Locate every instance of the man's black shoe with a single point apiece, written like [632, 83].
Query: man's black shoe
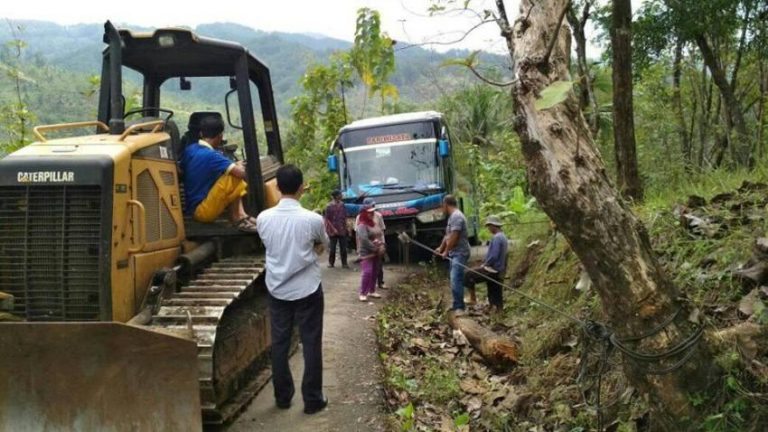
[316, 408]
[284, 405]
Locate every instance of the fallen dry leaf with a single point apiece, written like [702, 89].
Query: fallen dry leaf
[494, 396]
[747, 303]
[471, 386]
[459, 338]
[474, 404]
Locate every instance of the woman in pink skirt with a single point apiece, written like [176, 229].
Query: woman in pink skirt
[370, 248]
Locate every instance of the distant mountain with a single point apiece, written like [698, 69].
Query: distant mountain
[77, 49]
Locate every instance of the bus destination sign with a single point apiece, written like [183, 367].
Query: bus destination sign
[390, 138]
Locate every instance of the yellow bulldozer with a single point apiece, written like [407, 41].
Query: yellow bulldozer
[118, 312]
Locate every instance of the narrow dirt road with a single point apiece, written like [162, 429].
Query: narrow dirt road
[351, 366]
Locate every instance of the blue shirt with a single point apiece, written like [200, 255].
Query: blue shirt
[201, 167]
[290, 233]
[496, 257]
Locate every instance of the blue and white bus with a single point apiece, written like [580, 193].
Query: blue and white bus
[405, 163]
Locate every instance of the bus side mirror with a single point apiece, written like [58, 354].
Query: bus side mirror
[333, 163]
[443, 148]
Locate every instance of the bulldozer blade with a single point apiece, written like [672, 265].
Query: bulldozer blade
[96, 376]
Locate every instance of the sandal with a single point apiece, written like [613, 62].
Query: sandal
[245, 225]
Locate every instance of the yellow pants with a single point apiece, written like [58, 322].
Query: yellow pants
[224, 192]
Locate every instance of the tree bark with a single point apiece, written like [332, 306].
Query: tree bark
[572, 187]
[499, 352]
[733, 115]
[628, 175]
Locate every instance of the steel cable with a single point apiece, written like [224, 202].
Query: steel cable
[594, 330]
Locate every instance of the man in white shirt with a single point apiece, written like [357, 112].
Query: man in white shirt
[294, 237]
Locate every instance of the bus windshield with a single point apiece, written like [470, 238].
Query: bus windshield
[396, 166]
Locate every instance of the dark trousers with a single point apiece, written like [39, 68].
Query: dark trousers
[494, 286]
[342, 242]
[380, 272]
[307, 313]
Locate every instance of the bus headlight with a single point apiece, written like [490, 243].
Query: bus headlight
[430, 216]
[166, 41]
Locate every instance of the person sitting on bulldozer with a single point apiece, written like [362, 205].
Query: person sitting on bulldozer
[212, 182]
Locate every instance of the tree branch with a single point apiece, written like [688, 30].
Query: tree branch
[553, 41]
[464, 36]
[505, 27]
[490, 81]
[585, 12]
[742, 42]
[443, 13]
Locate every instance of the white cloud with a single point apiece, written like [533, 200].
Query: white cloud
[405, 20]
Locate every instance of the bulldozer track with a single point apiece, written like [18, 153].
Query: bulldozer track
[197, 310]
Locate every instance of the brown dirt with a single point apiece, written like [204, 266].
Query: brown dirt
[351, 367]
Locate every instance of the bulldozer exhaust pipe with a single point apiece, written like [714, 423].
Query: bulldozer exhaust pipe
[113, 39]
[188, 262]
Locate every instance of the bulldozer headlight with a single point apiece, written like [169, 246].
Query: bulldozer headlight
[429, 216]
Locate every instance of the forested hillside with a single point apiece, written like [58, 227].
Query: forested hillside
[60, 59]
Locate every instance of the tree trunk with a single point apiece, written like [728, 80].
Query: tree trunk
[587, 97]
[500, 353]
[628, 175]
[722, 140]
[677, 102]
[706, 109]
[733, 115]
[761, 111]
[572, 187]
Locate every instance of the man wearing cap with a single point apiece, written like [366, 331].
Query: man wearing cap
[379, 220]
[494, 266]
[336, 227]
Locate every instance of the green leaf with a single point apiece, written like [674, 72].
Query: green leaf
[406, 412]
[408, 425]
[553, 94]
[468, 61]
[461, 420]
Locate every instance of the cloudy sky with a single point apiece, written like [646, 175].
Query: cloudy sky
[405, 20]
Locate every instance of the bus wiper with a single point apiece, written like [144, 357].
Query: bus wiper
[410, 188]
[393, 186]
